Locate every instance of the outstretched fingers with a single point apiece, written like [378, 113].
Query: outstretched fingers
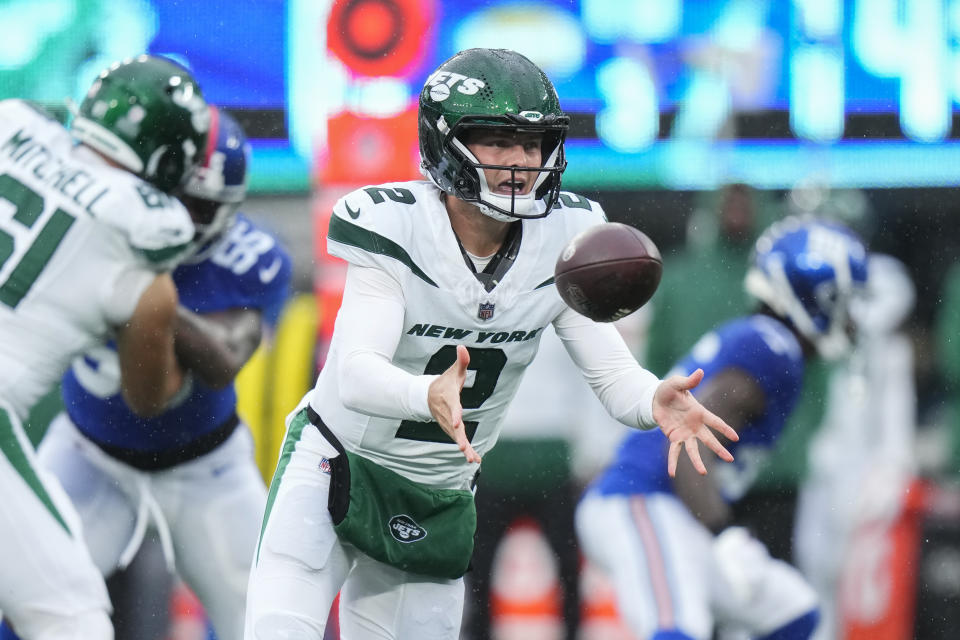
[719, 425]
[459, 429]
[673, 457]
[692, 380]
[460, 437]
[443, 397]
[711, 441]
[693, 452]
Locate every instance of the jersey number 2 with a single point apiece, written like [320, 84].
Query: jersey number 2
[486, 363]
[29, 206]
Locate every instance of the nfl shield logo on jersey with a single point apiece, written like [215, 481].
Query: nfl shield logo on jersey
[486, 310]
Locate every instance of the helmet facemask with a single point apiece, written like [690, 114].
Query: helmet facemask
[210, 218]
[215, 190]
[470, 183]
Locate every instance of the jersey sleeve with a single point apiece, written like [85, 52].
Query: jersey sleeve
[12, 111]
[367, 349]
[8, 108]
[156, 225]
[121, 293]
[572, 216]
[624, 388]
[580, 210]
[368, 229]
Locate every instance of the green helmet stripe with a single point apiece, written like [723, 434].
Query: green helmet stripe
[107, 143]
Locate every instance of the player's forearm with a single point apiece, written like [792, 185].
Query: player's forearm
[148, 395]
[370, 384]
[627, 395]
[216, 346]
[624, 387]
[150, 374]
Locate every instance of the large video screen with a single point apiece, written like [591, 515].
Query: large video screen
[689, 94]
[52, 50]
[681, 94]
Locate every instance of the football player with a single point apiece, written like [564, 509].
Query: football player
[678, 562]
[189, 471]
[845, 504]
[86, 233]
[449, 285]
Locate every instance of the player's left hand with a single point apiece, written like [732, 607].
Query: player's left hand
[684, 421]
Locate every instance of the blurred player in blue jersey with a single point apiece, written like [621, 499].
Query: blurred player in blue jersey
[189, 472]
[642, 527]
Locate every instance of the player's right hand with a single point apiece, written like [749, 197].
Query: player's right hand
[444, 400]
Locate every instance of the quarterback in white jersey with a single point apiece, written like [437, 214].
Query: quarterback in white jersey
[500, 328]
[449, 286]
[83, 242]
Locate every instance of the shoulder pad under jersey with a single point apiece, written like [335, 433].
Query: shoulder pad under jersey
[155, 224]
[377, 225]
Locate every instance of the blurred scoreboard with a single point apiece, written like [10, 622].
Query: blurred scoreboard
[682, 94]
[671, 93]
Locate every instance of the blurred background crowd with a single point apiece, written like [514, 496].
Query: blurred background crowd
[700, 122]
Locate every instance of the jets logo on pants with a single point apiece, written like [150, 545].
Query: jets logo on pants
[404, 529]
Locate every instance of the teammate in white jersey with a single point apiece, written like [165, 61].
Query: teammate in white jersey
[85, 233]
[449, 286]
[189, 471]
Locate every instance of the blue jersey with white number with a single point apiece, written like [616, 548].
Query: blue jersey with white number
[758, 345]
[246, 269]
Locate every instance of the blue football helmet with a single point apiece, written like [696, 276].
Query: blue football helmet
[809, 270]
[214, 190]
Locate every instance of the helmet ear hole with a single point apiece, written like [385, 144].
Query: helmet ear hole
[169, 169]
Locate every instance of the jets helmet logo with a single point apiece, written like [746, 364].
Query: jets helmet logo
[184, 95]
[442, 83]
[404, 529]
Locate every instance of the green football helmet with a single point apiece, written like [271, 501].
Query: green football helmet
[491, 88]
[148, 115]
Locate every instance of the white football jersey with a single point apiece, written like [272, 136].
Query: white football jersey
[79, 242]
[403, 229]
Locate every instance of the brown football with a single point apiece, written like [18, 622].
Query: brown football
[608, 271]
